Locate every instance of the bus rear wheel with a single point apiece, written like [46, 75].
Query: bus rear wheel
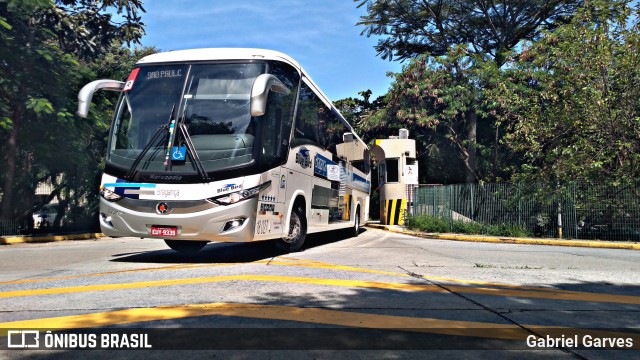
[185, 246]
[355, 231]
[297, 232]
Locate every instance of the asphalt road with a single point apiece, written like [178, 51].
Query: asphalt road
[380, 295]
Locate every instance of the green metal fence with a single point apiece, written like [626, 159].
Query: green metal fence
[11, 226]
[585, 211]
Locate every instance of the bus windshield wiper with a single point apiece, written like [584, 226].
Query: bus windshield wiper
[173, 129]
[191, 149]
[132, 171]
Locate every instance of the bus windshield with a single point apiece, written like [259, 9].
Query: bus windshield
[211, 100]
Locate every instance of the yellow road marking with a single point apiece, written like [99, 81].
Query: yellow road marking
[300, 263]
[116, 272]
[216, 279]
[551, 295]
[306, 315]
[271, 312]
[321, 265]
[159, 268]
[287, 262]
[519, 291]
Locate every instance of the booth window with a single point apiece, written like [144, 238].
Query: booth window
[392, 171]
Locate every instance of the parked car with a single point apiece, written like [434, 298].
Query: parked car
[45, 216]
[626, 233]
[606, 232]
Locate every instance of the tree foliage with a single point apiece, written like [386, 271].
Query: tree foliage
[44, 46]
[570, 103]
[492, 28]
[434, 98]
[455, 47]
[357, 112]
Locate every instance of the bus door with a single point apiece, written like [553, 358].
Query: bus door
[271, 206]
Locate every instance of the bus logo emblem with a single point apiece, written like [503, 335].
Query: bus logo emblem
[162, 208]
[229, 187]
[303, 158]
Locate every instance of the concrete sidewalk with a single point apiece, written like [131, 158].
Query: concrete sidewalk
[509, 240]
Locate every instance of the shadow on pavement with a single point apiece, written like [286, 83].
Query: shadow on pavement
[228, 252]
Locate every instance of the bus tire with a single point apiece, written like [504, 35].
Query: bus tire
[185, 246]
[297, 232]
[355, 230]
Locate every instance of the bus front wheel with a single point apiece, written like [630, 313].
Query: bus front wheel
[297, 232]
[185, 246]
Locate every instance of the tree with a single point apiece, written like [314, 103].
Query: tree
[357, 111]
[491, 28]
[41, 45]
[484, 30]
[571, 104]
[427, 98]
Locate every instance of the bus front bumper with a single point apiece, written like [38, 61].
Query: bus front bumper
[231, 223]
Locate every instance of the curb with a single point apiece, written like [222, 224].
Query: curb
[509, 240]
[8, 240]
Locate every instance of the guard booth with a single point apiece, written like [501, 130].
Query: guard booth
[397, 176]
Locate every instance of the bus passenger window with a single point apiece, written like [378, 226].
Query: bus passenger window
[274, 128]
[308, 119]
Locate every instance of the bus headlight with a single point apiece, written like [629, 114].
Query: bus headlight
[240, 195]
[109, 195]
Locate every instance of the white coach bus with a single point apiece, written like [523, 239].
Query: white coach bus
[228, 145]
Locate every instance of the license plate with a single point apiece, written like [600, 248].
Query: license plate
[164, 231]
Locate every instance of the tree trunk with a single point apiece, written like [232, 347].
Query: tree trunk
[471, 124]
[12, 150]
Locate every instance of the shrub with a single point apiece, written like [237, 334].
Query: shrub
[440, 225]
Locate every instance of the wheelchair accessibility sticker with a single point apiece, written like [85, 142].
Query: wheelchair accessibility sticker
[179, 153]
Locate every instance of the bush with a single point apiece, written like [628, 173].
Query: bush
[440, 225]
[427, 223]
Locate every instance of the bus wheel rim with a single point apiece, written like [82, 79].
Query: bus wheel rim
[294, 228]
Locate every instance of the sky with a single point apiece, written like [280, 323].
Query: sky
[320, 35]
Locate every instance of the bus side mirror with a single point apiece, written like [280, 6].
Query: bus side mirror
[260, 92]
[86, 94]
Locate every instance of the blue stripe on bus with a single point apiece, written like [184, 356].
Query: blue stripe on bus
[360, 182]
[358, 178]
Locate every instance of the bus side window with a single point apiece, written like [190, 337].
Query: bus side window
[307, 119]
[125, 133]
[361, 161]
[336, 130]
[274, 128]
